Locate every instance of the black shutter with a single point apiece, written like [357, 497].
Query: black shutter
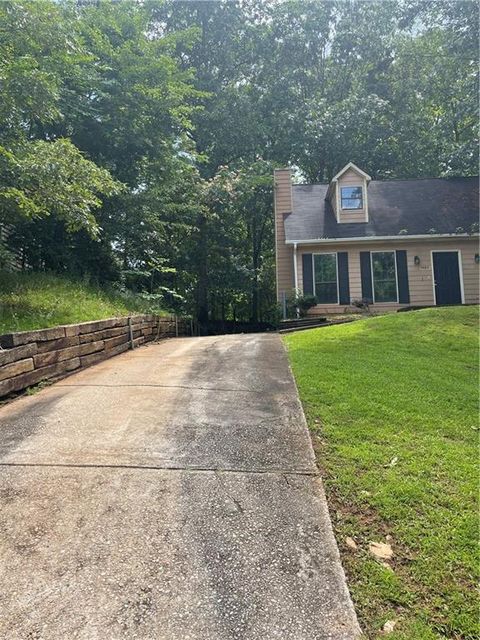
[366, 274]
[402, 276]
[343, 282]
[307, 274]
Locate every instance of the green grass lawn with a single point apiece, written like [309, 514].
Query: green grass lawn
[392, 403]
[39, 300]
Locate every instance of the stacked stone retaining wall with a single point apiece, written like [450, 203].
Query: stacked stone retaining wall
[30, 357]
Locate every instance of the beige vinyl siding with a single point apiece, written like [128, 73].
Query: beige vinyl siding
[283, 252]
[351, 179]
[420, 276]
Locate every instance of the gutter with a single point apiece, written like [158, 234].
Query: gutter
[426, 236]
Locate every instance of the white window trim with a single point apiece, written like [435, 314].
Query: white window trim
[396, 276]
[365, 200]
[353, 186]
[326, 253]
[356, 169]
[460, 271]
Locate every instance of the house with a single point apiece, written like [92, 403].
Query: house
[394, 243]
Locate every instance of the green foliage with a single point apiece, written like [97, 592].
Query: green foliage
[38, 300]
[40, 51]
[7, 257]
[240, 242]
[302, 303]
[305, 303]
[40, 173]
[53, 178]
[397, 439]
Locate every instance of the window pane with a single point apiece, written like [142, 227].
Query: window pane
[325, 266]
[384, 265]
[352, 197]
[326, 292]
[384, 281]
[385, 291]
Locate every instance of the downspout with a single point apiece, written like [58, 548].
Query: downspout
[295, 269]
[295, 275]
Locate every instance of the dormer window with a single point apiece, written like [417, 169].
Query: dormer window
[348, 195]
[352, 197]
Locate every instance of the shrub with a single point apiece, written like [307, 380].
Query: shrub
[302, 303]
[363, 304]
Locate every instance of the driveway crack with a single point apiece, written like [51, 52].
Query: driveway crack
[163, 386]
[237, 504]
[193, 469]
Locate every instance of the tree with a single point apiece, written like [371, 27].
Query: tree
[240, 232]
[41, 175]
[106, 87]
[53, 178]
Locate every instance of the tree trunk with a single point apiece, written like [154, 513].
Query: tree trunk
[202, 283]
[255, 264]
[255, 301]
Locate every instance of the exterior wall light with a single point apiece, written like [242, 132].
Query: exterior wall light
[416, 260]
[477, 258]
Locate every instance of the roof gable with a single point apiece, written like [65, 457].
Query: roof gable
[353, 167]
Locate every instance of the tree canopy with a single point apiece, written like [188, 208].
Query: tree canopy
[138, 139]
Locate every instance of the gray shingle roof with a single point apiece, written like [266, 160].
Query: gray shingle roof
[443, 204]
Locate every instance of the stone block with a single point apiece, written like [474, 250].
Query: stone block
[93, 358]
[16, 368]
[106, 333]
[72, 330]
[17, 353]
[140, 326]
[117, 350]
[55, 345]
[44, 359]
[25, 337]
[91, 347]
[138, 319]
[37, 375]
[100, 325]
[114, 342]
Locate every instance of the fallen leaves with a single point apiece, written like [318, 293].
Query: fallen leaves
[381, 550]
[351, 544]
[389, 626]
[393, 462]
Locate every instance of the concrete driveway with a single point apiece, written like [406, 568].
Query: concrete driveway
[168, 494]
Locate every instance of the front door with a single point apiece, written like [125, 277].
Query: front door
[446, 274]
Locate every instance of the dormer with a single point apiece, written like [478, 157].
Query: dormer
[347, 193]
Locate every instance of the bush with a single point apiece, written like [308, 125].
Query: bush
[302, 303]
[363, 304]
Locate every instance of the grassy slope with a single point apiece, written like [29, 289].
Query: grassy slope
[400, 386]
[38, 300]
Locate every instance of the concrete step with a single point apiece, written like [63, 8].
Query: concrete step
[326, 323]
[302, 322]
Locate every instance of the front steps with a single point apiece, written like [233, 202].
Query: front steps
[311, 322]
